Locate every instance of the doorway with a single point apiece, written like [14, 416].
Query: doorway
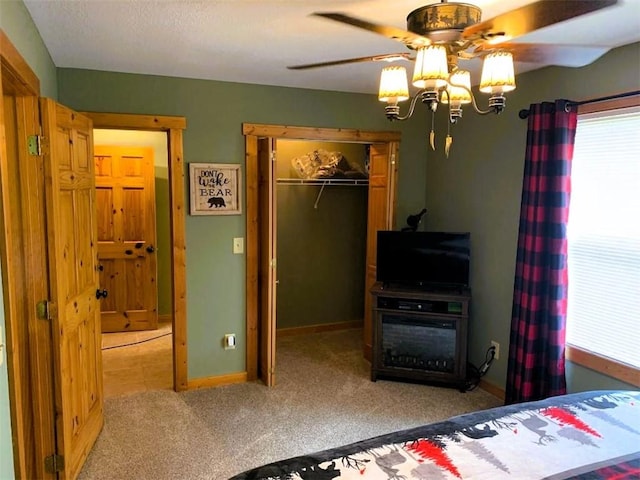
[261, 261]
[171, 130]
[137, 356]
[320, 227]
[36, 361]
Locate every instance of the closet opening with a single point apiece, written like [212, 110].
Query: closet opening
[321, 230]
[315, 201]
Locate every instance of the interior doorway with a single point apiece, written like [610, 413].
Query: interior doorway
[260, 141]
[169, 131]
[136, 355]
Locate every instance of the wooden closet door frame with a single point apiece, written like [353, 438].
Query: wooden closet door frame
[173, 127]
[24, 272]
[252, 133]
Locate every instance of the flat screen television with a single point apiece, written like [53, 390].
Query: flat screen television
[425, 260]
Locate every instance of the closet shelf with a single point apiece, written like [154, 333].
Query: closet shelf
[322, 181]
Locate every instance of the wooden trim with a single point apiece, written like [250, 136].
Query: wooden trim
[37, 286]
[311, 133]
[17, 76]
[367, 352]
[492, 389]
[319, 328]
[607, 366]
[394, 151]
[251, 289]
[136, 122]
[606, 105]
[217, 381]
[23, 281]
[173, 126]
[178, 259]
[16, 335]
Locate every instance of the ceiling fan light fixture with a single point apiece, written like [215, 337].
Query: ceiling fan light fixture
[431, 71]
[394, 87]
[455, 94]
[497, 73]
[442, 33]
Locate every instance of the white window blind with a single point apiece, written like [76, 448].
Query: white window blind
[604, 236]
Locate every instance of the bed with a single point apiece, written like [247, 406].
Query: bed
[590, 435]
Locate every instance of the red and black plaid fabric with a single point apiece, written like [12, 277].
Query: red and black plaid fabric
[536, 352]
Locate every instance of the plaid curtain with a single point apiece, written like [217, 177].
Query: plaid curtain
[536, 366]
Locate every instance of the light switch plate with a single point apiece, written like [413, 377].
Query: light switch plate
[1, 346]
[238, 245]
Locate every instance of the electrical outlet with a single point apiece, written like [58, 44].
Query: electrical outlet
[229, 341]
[496, 345]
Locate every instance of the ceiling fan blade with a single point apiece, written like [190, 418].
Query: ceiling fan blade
[391, 57]
[412, 40]
[533, 17]
[561, 55]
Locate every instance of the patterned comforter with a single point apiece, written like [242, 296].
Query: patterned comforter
[591, 435]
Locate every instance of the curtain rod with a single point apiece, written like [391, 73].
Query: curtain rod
[524, 113]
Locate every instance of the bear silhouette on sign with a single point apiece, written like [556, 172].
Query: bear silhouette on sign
[216, 202]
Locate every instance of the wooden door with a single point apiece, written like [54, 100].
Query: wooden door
[126, 206]
[72, 249]
[267, 273]
[382, 177]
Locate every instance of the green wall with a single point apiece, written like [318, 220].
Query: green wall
[321, 251]
[478, 189]
[16, 22]
[215, 112]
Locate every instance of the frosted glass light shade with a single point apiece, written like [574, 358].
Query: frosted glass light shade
[394, 87]
[458, 95]
[431, 67]
[497, 73]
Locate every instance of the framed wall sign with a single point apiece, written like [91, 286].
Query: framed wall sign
[215, 188]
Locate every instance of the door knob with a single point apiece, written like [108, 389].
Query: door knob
[150, 249]
[101, 293]
[101, 268]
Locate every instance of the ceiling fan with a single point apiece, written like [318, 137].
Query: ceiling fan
[439, 35]
[458, 27]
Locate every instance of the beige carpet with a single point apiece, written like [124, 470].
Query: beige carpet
[324, 398]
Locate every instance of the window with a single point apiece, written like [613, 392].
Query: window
[603, 320]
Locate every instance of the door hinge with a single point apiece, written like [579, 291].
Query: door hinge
[45, 310]
[34, 144]
[273, 155]
[54, 463]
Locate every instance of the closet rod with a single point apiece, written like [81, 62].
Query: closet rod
[524, 113]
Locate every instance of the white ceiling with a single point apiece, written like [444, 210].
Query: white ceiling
[253, 41]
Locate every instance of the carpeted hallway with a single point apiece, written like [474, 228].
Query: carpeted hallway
[324, 398]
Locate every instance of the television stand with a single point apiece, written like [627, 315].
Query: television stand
[420, 335]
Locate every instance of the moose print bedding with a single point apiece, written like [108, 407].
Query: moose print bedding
[591, 435]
